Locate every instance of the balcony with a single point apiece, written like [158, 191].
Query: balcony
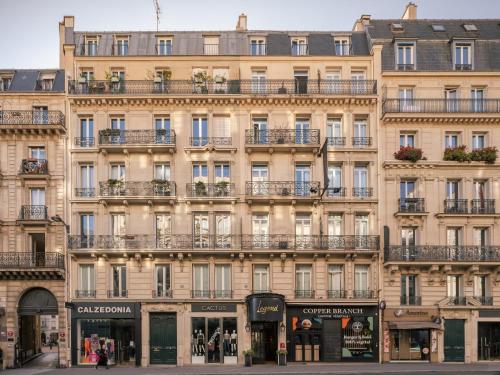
[411, 205]
[32, 213]
[138, 140]
[162, 293]
[441, 106]
[350, 242]
[281, 190]
[336, 141]
[227, 87]
[482, 206]
[437, 253]
[41, 121]
[458, 300]
[34, 168]
[363, 294]
[304, 293]
[362, 192]
[211, 294]
[85, 293]
[285, 140]
[117, 293]
[85, 142]
[336, 192]
[410, 300]
[484, 300]
[84, 192]
[361, 141]
[30, 265]
[335, 294]
[463, 67]
[220, 190]
[138, 191]
[198, 293]
[405, 67]
[455, 206]
[215, 142]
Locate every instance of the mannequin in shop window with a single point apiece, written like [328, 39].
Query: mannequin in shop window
[227, 343]
[234, 339]
[201, 343]
[194, 342]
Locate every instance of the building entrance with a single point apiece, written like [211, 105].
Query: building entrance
[264, 341]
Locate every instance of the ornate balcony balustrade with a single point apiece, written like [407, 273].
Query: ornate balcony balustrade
[437, 253]
[85, 192]
[224, 87]
[336, 141]
[85, 141]
[484, 300]
[282, 137]
[482, 206]
[85, 293]
[34, 167]
[304, 293]
[441, 106]
[458, 300]
[22, 117]
[455, 206]
[411, 205]
[362, 192]
[336, 192]
[363, 294]
[202, 293]
[117, 188]
[282, 188]
[30, 212]
[136, 137]
[361, 141]
[218, 190]
[210, 141]
[411, 300]
[28, 260]
[335, 293]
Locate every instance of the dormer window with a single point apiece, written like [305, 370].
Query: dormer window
[397, 27]
[164, 46]
[46, 82]
[90, 46]
[470, 27]
[405, 56]
[211, 45]
[121, 46]
[5, 82]
[438, 28]
[342, 46]
[299, 46]
[257, 46]
[463, 56]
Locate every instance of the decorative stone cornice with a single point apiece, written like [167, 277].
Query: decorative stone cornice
[426, 164]
[429, 118]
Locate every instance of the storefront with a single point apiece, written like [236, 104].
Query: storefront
[114, 326]
[411, 334]
[214, 333]
[328, 333]
[265, 319]
[488, 334]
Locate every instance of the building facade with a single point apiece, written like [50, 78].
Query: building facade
[32, 192]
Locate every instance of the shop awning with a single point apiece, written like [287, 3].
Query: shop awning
[414, 325]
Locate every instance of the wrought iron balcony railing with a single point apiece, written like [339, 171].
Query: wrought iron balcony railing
[14, 117]
[405, 66]
[282, 137]
[136, 137]
[210, 141]
[458, 300]
[363, 294]
[224, 241]
[117, 293]
[162, 293]
[482, 206]
[217, 190]
[434, 253]
[335, 293]
[30, 212]
[441, 106]
[361, 192]
[455, 206]
[201, 293]
[34, 166]
[282, 188]
[336, 141]
[28, 260]
[222, 293]
[85, 141]
[336, 192]
[85, 293]
[85, 192]
[361, 141]
[411, 205]
[411, 300]
[307, 293]
[484, 300]
[225, 87]
[465, 67]
[118, 188]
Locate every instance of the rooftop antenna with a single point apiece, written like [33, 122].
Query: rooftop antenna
[158, 12]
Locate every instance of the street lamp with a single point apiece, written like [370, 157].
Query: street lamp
[59, 219]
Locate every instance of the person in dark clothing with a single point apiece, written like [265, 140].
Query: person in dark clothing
[102, 356]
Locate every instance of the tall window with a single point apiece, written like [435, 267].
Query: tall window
[118, 224]
[119, 280]
[260, 133]
[200, 172]
[260, 278]
[37, 197]
[299, 46]
[121, 46]
[200, 131]
[259, 79]
[335, 188]
[303, 231]
[200, 230]
[302, 180]
[361, 181]
[302, 131]
[478, 141]
[361, 230]
[360, 133]
[260, 231]
[163, 226]
[405, 53]
[86, 280]
[334, 130]
[86, 132]
[87, 180]
[409, 295]
[303, 280]
[222, 129]
[477, 99]
[87, 230]
[201, 281]
[223, 281]
[480, 236]
[453, 236]
[40, 114]
[335, 281]
[408, 237]
[452, 189]
[211, 45]
[257, 47]
[162, 171]
[117, 172]
[454, 286]
[162, 130]
[90, 46]
[463, 56]
[335, 225]
[361, 277]
[332, 83]
[222, 172]
[342, 46]
[451, 96]
[481, 287]
[222, 230]
[163, 280]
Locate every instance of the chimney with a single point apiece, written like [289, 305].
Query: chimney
[242, 22]
[410, 12]
[362, 22]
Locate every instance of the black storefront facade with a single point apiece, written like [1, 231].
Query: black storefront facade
[116, 326]
[265, 322]
[332, 333]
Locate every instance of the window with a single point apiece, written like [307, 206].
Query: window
[260, 132]
[361, 138]
[408, 236]
[334, 132]
[361, 181]
[86, 281]
[453, 236]
[405, 56]
[200, 131]
[220, 77]
[163, 281]
[121, 46]
[87, 230]
[480, 236]
[335, 281]
[302, 180]
[87, 187]
[162, 171]
[118, 136]
[163, 133]
[397, 27]
[406, 99]
[481, 287]
[222, 130]
[37, 153]
[407, 196]
[118, 225]
[335, 188]
[260, 278]
[477, 99]
[164, 46]
[260, 231]
[117, 172]
[163, 228]
[361, 276]
[299, 46]
[260, 177]
[87, 75]
[86, 133]
[200, 230]
[303, 238]
[342, 46]
[454, 286]
[300, 80]
[222, 172]
[46, 82]
[463, 56]
[211, 45]
[451, 140]
[361, 231]
[470, 27]
[480, 190]
[119, 280]
[452, 189]
[358, 84]
[201, 281]
[333, 84]
[406, 140]
[438, 28]
[37, 198]
[335, 225]
[223, 281]
[257, 47]
[451, 97]
[40, 114]
[478, 141]
[222, 231]
[5, 82]
[409, 294]
[90, 46]
[303, 281]
[200, 172]
[302, 131]
[259, 79]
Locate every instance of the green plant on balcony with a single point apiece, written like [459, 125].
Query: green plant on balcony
[112, 182]
[200, 80]
[409, 153]
[161, 187]
[456, 154]
[222, 189]
[109, 132]
[200, 189]
[487, 154]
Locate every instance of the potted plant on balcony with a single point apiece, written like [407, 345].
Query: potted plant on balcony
[200, 80]
[409, 154]
[222, 189]
[456, 154]
[200, 189]
[282, 89]
[487, 154]
[248, 354]
[161, 187]
[281, 353]
[82, 79]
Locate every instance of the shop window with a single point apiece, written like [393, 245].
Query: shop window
[410, 344]
[214, 340]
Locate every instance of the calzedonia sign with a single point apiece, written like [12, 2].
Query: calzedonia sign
[104, 310]
[265, 307]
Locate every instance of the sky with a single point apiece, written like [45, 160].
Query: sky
[29, 34]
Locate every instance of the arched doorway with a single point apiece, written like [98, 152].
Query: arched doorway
[37, 313]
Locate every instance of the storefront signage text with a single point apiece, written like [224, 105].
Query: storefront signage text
[111, 310]
[104, 309]
[213, 307]
[333, 311]
[266, 309]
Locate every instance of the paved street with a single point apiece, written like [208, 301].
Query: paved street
[303, 369]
